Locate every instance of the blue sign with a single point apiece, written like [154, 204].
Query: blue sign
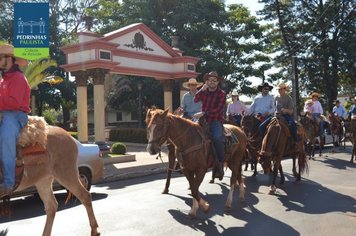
[31, 38]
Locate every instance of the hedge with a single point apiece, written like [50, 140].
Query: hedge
[130, 135]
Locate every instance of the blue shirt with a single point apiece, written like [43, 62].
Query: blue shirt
[262, 104]
[353, 110]
[189, 106]
[340, 111]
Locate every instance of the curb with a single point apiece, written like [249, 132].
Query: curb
[120, 159]
[133, 174]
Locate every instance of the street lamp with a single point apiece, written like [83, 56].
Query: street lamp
[139, 86]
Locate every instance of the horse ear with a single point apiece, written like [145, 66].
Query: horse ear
[166, 111]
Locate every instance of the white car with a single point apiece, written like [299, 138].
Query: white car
[90, 164]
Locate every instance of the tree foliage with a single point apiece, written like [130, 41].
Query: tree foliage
[322, 35]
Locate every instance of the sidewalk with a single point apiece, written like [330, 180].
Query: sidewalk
[144, 164]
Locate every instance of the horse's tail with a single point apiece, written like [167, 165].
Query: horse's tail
[303, 162]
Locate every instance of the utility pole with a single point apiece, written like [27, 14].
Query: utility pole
[295, 87]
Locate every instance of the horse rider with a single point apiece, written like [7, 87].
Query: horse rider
[317, 111]
[213, 102]
[285, 107]
[14, 106]
[263, 106]
[340, 110]
[235, 109]
[188, 107]
[352, 112]
[308, 106]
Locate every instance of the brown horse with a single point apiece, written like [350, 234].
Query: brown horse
[311, 129]
[350, 134]
[250, 125]
[195, 148]
[337, 130]
[55, 163]
[275, 146]
[172, 163]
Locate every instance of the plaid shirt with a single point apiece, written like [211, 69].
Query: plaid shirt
[213, 104]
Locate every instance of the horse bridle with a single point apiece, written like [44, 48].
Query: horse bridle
[164, 137]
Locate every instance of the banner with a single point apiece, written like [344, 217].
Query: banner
[31, 38]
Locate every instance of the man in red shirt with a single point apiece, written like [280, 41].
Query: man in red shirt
[213, 102]
[14, 107]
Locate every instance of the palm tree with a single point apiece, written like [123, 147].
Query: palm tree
[37, 72]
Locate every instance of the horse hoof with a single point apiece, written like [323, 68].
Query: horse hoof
[272, 190]
[165, 191]
[211, 181]
[227, 208]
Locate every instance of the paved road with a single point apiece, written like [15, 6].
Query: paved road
[324, 204]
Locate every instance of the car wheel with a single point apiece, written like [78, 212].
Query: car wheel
[85, 178]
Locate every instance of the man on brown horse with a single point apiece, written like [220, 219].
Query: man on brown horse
[284, 107]
[188, 107]
[263, 106]
[213, 101]
[14, 106]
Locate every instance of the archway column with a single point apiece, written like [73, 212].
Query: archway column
[81, 78]
[98, 76]
[167, 94]
[182, 91]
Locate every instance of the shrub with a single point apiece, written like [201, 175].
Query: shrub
[130, 135]
[118, 148]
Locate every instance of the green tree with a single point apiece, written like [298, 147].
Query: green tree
[322, 35]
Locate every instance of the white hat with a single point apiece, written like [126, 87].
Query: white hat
[7, 49]
[283, 86]
[191, 81]
[234, 93]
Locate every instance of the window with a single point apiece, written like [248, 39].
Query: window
[190, 67]
[134, 115]
[105, 55]
[119, 116]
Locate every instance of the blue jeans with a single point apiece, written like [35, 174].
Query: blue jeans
[10, 127]
[237, 119]
[217, 134]
[321, 123]
[292, 126]
[263, 125]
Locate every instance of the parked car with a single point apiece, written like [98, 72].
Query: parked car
[103, 146]
[90, 166]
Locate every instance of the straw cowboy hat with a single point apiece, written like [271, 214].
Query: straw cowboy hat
[309, 101]
[264, 85]
[283, 86]
[8, 50]
[213, 74]
[234, 93]
[191, 81]
[315, 94]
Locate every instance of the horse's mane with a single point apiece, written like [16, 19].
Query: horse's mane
[184, 120]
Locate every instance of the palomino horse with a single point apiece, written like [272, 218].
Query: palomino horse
[337, 129]
[250, 125]
[350, 134]
[172, 164]
[311, 129]
[40, 168]
[275, 146]
[191, 140]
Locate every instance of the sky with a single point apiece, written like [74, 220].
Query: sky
[252, 5]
